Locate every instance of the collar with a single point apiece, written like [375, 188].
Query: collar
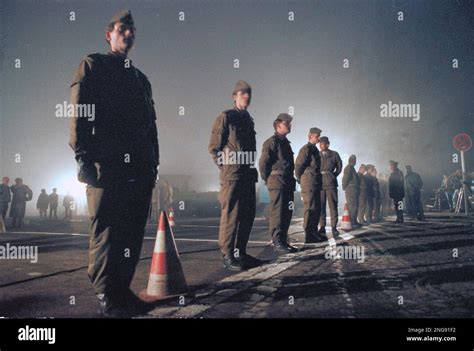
[281, 137]
[118, 57]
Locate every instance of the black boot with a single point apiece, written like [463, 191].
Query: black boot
[231, 263]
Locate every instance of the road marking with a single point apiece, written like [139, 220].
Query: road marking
[214, 226]
[146, 237]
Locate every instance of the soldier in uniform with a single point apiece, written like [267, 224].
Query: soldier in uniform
[308, 175]
[233, 132]
[5, 197]
[68, 203]
[351, 187]
[118, 158]
[42, 203]
[369, 194]
[331, 167]
[21, 194]
[277, 167]
[377, 196]
[413, 185]
[362, 196]
[396, 188]
[53, 204]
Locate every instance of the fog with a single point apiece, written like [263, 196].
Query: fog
[289, 64]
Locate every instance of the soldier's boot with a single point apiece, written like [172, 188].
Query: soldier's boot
[309, 238]
[246, 261]
[111, 307]
[284, 247]
[231, 263]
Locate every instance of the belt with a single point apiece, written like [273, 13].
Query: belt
[277, 172]
[325, 172]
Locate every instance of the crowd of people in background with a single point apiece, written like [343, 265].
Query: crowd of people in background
[450, 192]
[16, 196]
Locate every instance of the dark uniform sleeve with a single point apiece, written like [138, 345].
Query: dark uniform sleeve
[154, 130]
[338, 165]
[347, 177]
[302, 161]
[83, 92]
[218, 139]
[267, 159]
[29, 194]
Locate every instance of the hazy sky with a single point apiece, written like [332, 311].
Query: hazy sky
[288, 63]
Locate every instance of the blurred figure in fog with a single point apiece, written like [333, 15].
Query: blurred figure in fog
[21, 194]
[42, 203]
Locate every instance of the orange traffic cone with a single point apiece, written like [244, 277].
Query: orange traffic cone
[346, 220]
[171, 217]
[166, 273]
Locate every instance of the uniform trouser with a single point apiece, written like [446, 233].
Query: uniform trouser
[369, 209]
[281, 211]
[118, 215]
[17, 212]
[238, 203]
[53, 211]
[361, 207]
[3, 209]
[312, 210]
[68, 212]
[398, 205]
[352, 199]
[409, 204]
[417, 207]
[43, 212]
[329, 195]
[377, 208]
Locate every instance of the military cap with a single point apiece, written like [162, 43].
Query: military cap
[392, 162]
[123, 16]
[324, 139]
[284, 117]
[315, 130]
[242, 85]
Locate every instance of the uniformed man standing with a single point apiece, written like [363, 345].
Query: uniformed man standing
[396, 188]
[68, 204]
[233, 133]
[308, 175]
[21, 194]
[369, 194]
[53, 204]
[331, 167]
[42, 203]
[413, 185]
[5, 196]
[377, 196]
[362, 196]
[277, 171]
[351, 187]
[118, 157]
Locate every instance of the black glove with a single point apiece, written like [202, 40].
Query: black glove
[87, 173]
